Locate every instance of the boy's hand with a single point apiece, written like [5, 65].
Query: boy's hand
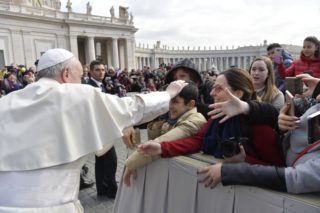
[127, 176]
[150, 149]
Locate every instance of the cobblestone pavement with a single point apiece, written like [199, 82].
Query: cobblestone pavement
[88, 197]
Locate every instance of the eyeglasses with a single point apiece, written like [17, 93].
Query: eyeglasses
[217, 88]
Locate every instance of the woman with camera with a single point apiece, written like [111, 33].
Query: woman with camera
[237, 139]
[302, 157]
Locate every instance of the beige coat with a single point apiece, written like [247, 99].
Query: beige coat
[188, 124]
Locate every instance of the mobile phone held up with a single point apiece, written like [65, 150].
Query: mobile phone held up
[289, 100]
[313, 127]
[277, 56]
[294, 85]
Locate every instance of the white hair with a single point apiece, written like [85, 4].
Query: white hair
[55, 70]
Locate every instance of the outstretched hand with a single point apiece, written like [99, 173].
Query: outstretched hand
[175, 87]
[150, 149]
[232, 107]
[210, 175]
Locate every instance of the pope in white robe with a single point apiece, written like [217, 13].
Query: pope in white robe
[48, 128]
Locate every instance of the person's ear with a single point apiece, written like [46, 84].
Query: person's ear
[191, 104]
[65, 75]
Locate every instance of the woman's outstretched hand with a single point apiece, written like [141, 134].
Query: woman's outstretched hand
[232, 107]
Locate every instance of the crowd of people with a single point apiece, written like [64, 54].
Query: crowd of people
[198, 111]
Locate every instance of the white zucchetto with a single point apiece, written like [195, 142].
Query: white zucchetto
[53, 57]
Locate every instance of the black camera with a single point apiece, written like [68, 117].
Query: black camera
[230, 147]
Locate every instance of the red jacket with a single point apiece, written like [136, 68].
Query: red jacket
[263, 150]
[301, 65]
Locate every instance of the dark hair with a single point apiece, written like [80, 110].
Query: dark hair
[189, 92]
[189, 67]
[314, 40]
[94, 63]
[273, 45]
[239, 79]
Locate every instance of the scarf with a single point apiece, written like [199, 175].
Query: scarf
[217, 133]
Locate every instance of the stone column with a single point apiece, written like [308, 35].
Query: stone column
[214, 62]
[17, 47]
[108, 52]
[232, 61]
[91, 50]
[209, 63]
[156, 62]
[122, 54]
[115, 53]
[221, 64]
[228, 62]
[28, 49]
[141, 62]
[129, 54]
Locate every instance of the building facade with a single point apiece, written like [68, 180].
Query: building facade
[30, 27]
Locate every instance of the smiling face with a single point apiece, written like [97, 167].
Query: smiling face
[259, 73]
[309, 49]
[218, 89]
[177, 107]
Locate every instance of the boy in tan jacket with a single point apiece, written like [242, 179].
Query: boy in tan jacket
[182, 121]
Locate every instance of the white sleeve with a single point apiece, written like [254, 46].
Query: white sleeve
[141, 108]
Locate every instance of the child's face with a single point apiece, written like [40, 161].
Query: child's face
[309, 49]
[177, 107]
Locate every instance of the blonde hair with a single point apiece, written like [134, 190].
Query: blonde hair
[270, 85]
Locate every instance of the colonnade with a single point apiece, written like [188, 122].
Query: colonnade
[115, 52]
[202, 63]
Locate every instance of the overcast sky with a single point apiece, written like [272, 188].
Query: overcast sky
[215, 22]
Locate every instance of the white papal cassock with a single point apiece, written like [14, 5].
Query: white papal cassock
[46, 132]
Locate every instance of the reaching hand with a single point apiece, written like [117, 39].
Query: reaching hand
[210, 175]
[310, 82]
[175, 87]
[128, 137]
[287, 122]
[241, 157]
[234, 106]
[150, 149]
[127, 176]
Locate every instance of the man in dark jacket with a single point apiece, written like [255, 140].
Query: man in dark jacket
[106, 164]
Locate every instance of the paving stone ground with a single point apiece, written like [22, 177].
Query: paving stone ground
[88, 197]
